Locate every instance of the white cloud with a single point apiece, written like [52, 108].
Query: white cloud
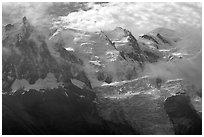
[136, 17]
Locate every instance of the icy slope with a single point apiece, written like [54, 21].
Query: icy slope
[151, 108]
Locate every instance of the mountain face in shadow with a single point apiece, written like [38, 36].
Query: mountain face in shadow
[184, 117]
[59, 111]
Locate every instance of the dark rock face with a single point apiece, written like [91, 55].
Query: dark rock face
[162, 38]
[126, 44]
[104, 77]
[30, 57]
[151, 57]
[58, 111]
[185, 119]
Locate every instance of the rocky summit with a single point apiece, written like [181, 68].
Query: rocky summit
[68, 81]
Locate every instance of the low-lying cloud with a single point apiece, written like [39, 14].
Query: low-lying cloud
[35, 12]
[187, 69]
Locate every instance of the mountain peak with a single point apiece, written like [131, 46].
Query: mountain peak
[24, 20]
[31, 56]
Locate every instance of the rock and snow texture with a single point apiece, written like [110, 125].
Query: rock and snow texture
[103, 76]
[29, 59]
[140, 102]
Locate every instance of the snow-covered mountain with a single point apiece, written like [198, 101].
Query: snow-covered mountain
[29, 57]
[68, 81]
[45, 89]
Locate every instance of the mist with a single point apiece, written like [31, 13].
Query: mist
[191, 39]
[36, 13]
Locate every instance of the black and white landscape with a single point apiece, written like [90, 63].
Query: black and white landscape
[101, 68]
